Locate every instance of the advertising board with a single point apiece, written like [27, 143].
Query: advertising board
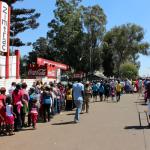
[4, 26]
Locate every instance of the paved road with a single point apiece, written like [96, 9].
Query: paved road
[108, 126]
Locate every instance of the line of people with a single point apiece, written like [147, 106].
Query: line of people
[41, 101]
[23, 108]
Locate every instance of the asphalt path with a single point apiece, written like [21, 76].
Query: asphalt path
[107, 126]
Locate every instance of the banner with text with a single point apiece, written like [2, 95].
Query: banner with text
[4, 26]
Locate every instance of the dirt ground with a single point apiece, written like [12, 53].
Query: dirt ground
[107, 126]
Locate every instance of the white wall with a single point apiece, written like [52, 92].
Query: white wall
[12, 66]
[2, 66]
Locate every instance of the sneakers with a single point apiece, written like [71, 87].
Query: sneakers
[76, 121]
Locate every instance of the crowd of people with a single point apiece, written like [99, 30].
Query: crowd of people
[22, 107]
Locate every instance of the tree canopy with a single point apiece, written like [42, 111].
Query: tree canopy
[124, 43]
[128, 70]
[77, 35]
[21, 20]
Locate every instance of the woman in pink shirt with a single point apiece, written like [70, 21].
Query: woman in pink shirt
[17, 105]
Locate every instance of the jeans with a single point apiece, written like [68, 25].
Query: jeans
[55, 106]
[46, 112]
[78, 104]
[118, 96]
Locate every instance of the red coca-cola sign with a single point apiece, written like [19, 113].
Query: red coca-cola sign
[52, 72]
[41, 61]
[37, 71]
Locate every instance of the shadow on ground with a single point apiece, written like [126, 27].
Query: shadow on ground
[141, 103]
[71, 114]
[64, 123]
[136, 127]
[27, 129]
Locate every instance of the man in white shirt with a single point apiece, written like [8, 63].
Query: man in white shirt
[78, 95]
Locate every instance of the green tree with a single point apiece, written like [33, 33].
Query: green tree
[129, 70]
[41, 48]
[94, 21]
[126, 43]
[76, 35]
[21, 20]
[107, 61]
[66, 32]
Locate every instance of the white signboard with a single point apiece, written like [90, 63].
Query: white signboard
[4, 13]
[58, 75]
[12, 66]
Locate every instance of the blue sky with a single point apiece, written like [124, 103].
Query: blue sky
[117, 11]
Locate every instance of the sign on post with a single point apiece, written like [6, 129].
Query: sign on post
[4, 26]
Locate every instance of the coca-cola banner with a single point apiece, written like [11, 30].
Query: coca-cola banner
[41, 61]
[35, 71]
[52, 72]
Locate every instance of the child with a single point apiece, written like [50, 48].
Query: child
[9, 116]
[34, 112]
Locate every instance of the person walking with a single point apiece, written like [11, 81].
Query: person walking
[78, 95]
[88, 93]
[101, 91]
[69, 101]
[106, 90]
[118, 91]
[94, 91]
